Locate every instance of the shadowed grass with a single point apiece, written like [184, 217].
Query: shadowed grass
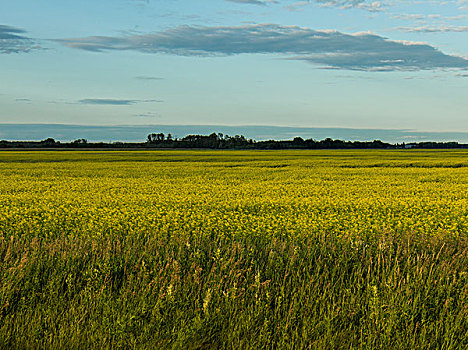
[234, 292]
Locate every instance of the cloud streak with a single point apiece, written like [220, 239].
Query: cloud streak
[112, 102]
[255, 2]
[435, 29]
[329, 49]
[371, 6]
[148, 115]
[147, 77]
[13, 40]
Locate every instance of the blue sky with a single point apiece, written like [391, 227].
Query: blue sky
[340, 63]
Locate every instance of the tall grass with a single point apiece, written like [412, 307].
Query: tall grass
[322, 292]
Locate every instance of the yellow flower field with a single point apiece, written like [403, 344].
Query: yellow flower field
[234, 249]
[293, 193]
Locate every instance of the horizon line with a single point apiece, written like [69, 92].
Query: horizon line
[242, 126]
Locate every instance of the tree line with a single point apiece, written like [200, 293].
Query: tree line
[221, 141]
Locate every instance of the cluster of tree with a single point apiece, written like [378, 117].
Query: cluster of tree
[79, 143]
[328, 143]
[220, 141]
[213, 141]
[436, 145]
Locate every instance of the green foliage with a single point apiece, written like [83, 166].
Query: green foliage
[234, 292]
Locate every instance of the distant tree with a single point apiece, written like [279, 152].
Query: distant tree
[298, 141]
[50, 142]
[80, 142]
[221, 141]
[155, 138]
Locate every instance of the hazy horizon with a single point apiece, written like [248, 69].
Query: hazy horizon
[129, 133]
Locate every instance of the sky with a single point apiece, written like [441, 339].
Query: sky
[316, 64]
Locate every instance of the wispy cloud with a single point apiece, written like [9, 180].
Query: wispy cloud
[255, 2]
[145, 77]
[114, 102]
[435, 29]
[148, 115]
[431, 22]
[332, 49]
[13, 40]
[371, 6]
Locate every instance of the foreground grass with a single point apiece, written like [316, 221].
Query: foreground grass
[192, 250]
[166, 292]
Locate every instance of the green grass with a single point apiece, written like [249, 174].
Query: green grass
[168, 292]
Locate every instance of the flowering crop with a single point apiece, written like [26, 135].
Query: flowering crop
[243, 193]
[234, 249]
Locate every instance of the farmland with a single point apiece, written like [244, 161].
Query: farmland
[234, 249]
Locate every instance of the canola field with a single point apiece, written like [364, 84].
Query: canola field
[187, 249]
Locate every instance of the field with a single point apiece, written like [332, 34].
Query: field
[234, 249]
